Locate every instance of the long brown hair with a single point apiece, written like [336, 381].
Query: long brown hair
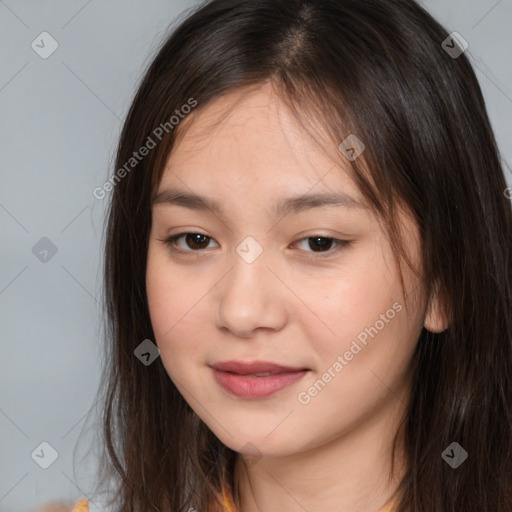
[378, 69]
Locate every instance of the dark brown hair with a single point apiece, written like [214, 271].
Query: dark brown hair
[377, 69]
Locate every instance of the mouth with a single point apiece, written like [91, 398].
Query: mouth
[257, 379]
[255, 368]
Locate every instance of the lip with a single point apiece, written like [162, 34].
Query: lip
[250, 368]
[238, 377]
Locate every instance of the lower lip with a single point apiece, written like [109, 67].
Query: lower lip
[256, 387]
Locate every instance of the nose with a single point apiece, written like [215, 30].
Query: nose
[251, 297]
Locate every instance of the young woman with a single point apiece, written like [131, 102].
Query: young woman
[308, 269]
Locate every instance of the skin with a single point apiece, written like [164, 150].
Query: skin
[293, 305]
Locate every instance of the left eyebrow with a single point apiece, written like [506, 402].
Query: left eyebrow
[297, 204]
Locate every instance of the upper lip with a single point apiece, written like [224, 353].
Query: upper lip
[246, 368]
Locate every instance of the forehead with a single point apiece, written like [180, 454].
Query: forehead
[249, 141]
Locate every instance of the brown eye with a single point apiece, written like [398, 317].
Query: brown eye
[323, 244]
[194, 241]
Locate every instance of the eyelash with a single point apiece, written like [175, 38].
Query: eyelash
[339, 244]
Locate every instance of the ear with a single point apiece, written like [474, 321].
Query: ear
[436, 320]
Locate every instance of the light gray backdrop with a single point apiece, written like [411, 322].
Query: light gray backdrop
[60, 116]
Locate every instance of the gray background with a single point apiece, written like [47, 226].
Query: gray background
[59, 123]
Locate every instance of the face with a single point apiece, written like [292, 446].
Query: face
[313, 288]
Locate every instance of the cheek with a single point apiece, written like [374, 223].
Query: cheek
[171, 302]
[346, 306]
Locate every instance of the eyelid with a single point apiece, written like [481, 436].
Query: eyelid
[339, 244]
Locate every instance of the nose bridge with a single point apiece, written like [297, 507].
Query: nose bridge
[250, 297]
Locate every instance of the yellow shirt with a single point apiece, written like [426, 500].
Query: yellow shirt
[82, 505]
[229, 506]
